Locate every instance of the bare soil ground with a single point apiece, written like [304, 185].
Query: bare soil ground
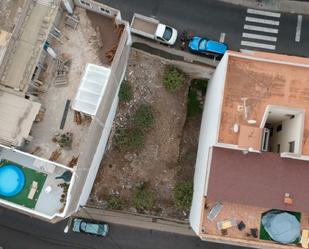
[169, 151]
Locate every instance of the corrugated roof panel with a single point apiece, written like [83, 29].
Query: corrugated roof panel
[91, 89]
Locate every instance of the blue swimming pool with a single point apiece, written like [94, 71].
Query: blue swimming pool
[12, 180]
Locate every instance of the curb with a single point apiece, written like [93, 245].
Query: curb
[136, 220]
[288, 6]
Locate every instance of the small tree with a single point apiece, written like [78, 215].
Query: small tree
[129, 138]
[183, 193]
[125, 92]
[144, 118]
[173, 78]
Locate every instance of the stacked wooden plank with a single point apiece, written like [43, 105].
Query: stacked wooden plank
[62, 71]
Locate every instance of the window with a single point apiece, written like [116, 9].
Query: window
[167, 34]
[159, 38]
[291, 146]
[279, 128]
[105, 10]
[278, 148]
[85, 3]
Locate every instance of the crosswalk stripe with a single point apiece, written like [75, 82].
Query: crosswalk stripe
[261, 20]
[259, 28]
[260, 37]
[263, 13]
[298, 28]
[258, 45]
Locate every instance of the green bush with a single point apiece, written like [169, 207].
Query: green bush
[144, 118]
[142, 198]
[114, 202]
[197, 88]
[183, 193]
[173, 79]
[129, 138]
[125, 92]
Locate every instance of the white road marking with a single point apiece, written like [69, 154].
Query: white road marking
[263, 29]
[258, 45]
[298, 28]
[222, 37]
[263, 13]
[260, 37]
[261, 20]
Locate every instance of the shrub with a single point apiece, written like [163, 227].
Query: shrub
[183, 193]
[173, 79]
[196, 95]
[114, 202]
[142, 198]
[125, 92]
[129, 138]
[144, 118]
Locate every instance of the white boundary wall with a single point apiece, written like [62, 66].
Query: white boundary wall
[208, 137]
[98, 154]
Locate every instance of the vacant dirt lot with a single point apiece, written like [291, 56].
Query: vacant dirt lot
[169, 152]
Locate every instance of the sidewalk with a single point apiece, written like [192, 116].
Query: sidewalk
[290, 6]
[137, 220]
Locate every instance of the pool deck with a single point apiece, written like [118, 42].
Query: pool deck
[30, 176]
[49, 196]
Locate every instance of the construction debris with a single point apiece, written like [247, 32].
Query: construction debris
[71, 21]
[73, 161]
[62, 71]
[109, 54]
[36, 150]
[81, 118]
[77, 117]
[55, 155]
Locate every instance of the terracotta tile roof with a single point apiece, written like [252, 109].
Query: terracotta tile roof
[258, 179]
[262, 83]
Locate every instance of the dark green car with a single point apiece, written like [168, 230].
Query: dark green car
[90, 227]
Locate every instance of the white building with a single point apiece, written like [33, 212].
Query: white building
[253, 148]
[59, 80]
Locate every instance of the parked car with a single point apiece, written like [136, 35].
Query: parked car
[153, 29]
[92, 227]
[205, 46]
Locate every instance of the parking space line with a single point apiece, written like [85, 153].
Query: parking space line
[258, 45]
[222, 37]
[298, 28]
[263, 13]
[259, 28]
[261, 20]
[259, 37]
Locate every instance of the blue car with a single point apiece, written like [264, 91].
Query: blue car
[81, 225]
[204, 46]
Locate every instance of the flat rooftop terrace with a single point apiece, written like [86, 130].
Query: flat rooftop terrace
[85, 44]
[263, 83]
[9, 13]
[251, 216]
[23, 59]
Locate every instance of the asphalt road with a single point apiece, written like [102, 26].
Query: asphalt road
[210, 18]
[18, 231]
